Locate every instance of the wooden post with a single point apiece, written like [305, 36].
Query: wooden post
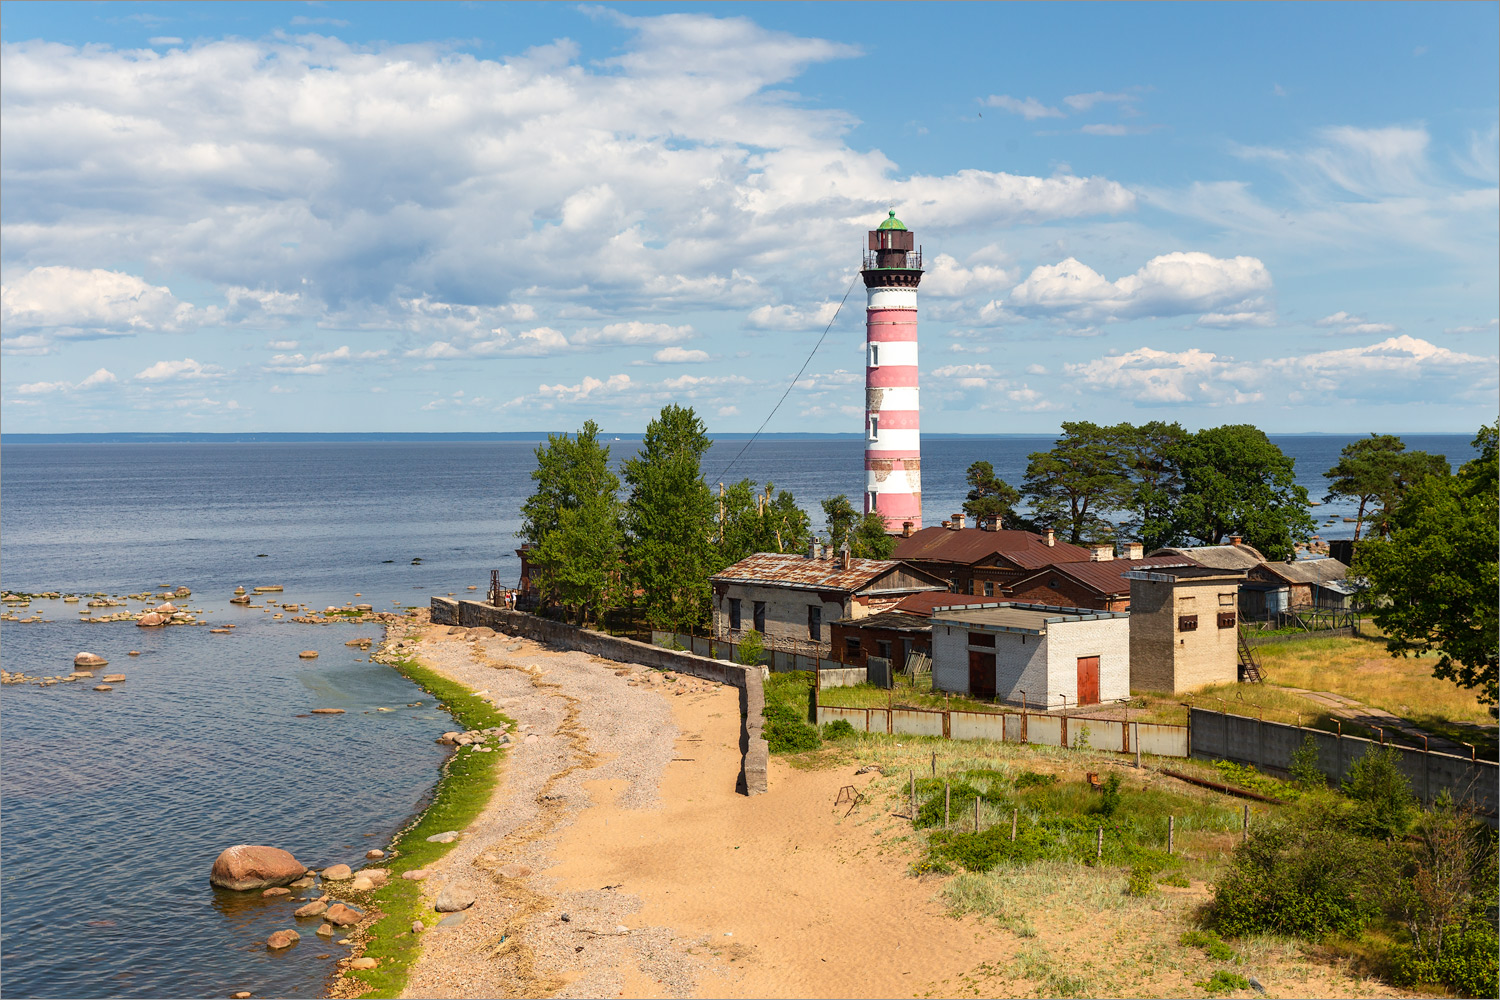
[913, 798]
[1014, 813]
[1171, 822]
[934, 763]
[1245, 823]
[1099, 845]
[976, 814]
[947, 803]
[1137, 742]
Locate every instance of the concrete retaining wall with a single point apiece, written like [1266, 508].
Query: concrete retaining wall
[753, 750]
[838, 677]
[1270, 745]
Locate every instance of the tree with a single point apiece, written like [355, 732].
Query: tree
[1434, 579]
[572, 521]
[1150, 454]
[1377, 471]
[1236, 482]
[990, 496]
[669, 520]
[751, 522]
[865, 534]
[1083, 476]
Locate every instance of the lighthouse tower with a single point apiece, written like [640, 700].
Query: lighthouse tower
[893, 451]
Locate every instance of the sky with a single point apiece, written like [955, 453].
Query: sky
[516, 217]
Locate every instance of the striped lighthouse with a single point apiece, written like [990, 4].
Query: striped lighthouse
[893, 449]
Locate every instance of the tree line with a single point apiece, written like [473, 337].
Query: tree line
[654, 541]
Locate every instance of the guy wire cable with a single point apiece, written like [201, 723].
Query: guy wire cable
[789, 388]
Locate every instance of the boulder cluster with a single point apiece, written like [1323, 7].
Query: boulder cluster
[483, 740]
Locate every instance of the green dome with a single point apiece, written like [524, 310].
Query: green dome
[893, 223]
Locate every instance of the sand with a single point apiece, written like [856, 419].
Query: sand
[622, 814]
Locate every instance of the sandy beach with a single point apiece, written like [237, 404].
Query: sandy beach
[616, 859]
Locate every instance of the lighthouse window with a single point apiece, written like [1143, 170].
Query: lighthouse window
[874, 428]
[874, 355]
[870, 505]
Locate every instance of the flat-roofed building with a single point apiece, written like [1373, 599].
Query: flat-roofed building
[1036, 655]
[1184, 627]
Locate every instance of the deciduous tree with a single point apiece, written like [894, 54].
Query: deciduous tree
[751, 522]
[669, 520]
[572, 521]
[1150, 454]
[864, 534]
[1235, 481]
[1434, 578]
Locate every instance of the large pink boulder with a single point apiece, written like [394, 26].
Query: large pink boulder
[150, 619]
[246, 866]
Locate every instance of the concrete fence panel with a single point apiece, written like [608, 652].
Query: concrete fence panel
[834, 677]
[977, 726]
[916, 722]
[1015, 729]
[1044, 729]
[1163, 741]
[859, 718]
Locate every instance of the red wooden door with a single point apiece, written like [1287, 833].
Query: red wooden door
[981, 675]
[1088, 680]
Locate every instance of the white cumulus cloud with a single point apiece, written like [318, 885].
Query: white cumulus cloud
[184, 370]
[1173, 284]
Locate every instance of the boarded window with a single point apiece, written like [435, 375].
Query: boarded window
[1226, 600]
[734, 613]
[1187, 623]
[1226, 619]
[982, 639]
[815, 622]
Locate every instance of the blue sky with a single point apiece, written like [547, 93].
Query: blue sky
[388, 217]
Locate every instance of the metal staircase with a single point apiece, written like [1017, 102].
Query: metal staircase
[1249, 669]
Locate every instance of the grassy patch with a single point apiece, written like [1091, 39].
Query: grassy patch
[903, 695]
[464, 787]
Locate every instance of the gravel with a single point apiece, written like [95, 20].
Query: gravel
[593, 720]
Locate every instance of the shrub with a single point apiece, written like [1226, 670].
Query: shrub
[1081, 741]
[1306, 774]
[1467, 965]
[1303, 880]
[1140, 882]
[787, 732]
[961, 796]
[751, 648]
[1030, 779]
[837, 728]
[1388, 808]
[1223, 981]
[1109, 799]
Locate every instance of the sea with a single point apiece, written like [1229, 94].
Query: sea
[113, 805]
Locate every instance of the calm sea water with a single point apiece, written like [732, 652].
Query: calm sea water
[114, 805]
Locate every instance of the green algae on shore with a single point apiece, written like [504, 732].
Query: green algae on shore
[465, 785]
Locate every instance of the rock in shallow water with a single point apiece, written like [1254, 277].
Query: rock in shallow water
[325, 930]
[337, 873]
[276, 891]
[342, 915]
[313, 909]
[86, 660]
[282, 939]
[250, 866]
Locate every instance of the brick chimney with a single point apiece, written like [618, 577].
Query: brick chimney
[844, 558]
[990, 523]
[947, 524]
[958, 522]
[1051, 538]
[1133, 550]
[1234, 539]
[906, 529]
[812, 549]
[1101, 553]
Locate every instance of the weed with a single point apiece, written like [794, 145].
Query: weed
[1245, 776]
[1176, 880]
[1223, 981]
[837, 728]
[1213, 946]
[1140, 883]
[1030, 779]
[1109, 801]
[1306, 774]
[1060, 985]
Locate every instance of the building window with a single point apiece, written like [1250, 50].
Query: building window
[1226, 600]
[734, 614]
[870, 507]
[884, 646]
[1226, 619]
[874, 428]
[1187, 623]
[874, 355]
[952, 585]
[982, 639]
[1052, 583]
[815, 622]
[851, 647]
[989, 588]
[760, 617]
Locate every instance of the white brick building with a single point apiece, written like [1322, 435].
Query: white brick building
[1033, 654]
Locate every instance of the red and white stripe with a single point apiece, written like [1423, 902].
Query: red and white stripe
[893, 477]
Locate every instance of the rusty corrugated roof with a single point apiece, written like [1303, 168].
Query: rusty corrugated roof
[790, 569]
[966, 546]
[1307, 570]
[1102, 577]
